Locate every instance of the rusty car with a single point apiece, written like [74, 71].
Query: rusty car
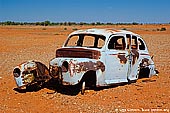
[101, 57]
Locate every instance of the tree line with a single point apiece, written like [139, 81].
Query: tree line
[48, 23]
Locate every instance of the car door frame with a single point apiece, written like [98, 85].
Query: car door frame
[116, 63]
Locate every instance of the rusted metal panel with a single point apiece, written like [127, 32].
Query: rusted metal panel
[77, 53]
[83, 66]
[135, 55]
[30, 72]
[73, 69]
[122, 58]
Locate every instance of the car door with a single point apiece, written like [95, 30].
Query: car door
[133, 56]
[116, 60]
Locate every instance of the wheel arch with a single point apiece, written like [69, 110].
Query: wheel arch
[143, 68]
[90, 78]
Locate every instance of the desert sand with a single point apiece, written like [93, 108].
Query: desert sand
[22, 43]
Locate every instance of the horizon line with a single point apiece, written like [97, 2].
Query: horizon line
[85, 22]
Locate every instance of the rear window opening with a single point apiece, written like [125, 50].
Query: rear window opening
[86, 40]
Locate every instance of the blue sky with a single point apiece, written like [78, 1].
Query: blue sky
[142, 11]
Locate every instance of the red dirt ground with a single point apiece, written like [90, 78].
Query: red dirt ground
[22, 43]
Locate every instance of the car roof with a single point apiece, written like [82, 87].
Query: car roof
[104, 32]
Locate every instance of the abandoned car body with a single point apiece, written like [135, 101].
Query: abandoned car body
[101, 57]
[29, 73]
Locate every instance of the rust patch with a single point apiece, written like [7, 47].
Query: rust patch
[54, 71]
[38, 72]
[144, 63]
[77, 53]
[42, 70]
[101, 66]
[135, 56]
[122, 58]
[83, 66]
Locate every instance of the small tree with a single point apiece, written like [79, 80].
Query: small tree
[46, 23]
[135, 23]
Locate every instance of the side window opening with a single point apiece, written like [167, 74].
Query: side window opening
[134, 42]
[98, 42]
[117, 42]
[141, 44]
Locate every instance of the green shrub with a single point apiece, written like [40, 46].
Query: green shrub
[163, 29]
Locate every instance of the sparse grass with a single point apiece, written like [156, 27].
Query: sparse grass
[56, 34]
[124, 28]
[74, 29]
[65, 28]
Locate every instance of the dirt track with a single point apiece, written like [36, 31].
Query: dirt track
[22, 43]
